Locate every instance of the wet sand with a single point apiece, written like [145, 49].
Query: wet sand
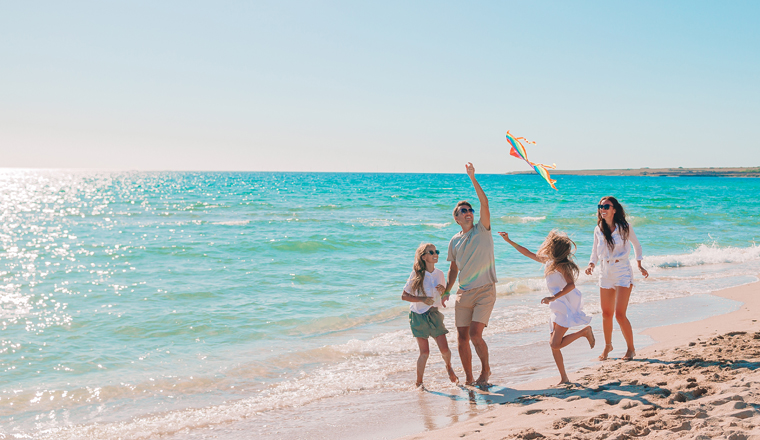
[700, 380]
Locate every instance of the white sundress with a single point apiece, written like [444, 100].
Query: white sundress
[567, 310]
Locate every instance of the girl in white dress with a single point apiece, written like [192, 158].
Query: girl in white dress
[566, 301]
[423, 290]
[613, 237]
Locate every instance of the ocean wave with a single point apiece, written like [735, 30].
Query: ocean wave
[392, 222]
[232, 223]
[511, 219]
[704, 255]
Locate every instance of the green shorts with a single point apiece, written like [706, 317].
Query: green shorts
[428, 324]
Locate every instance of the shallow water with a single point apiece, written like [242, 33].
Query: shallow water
[172, 303]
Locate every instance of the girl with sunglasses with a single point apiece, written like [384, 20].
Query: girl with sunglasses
[566, 302]
[613, 237]
[423, 290]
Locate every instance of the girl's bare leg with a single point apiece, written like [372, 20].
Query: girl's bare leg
[422, 359]
[443, 345]
[621, 307]
[559, 340]
[587, 332]
[607, 298]
[556, 343]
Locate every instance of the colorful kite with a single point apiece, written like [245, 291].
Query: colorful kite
[519, 152]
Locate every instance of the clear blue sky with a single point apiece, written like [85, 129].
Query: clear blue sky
[378, 86]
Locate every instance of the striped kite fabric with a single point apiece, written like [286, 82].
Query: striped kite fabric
[518, 151]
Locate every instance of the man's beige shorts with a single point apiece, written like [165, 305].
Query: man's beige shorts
[474, 305]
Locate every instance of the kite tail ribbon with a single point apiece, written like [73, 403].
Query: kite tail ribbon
[518, 151]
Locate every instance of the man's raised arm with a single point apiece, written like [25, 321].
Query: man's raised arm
[485, 212]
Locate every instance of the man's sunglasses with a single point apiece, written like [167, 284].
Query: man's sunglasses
[466, 210]
[435, 252]
[605, 207]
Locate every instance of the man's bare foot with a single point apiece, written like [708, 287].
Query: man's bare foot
[483, 379]
[607, 350]
[629, 355]
[590, 336]
[452, 376]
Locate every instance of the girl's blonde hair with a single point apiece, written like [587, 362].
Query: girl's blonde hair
[557, 251]
[419, 269]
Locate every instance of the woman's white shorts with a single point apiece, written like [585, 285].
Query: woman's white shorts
[615, 273]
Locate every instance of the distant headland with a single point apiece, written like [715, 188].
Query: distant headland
[661, 172]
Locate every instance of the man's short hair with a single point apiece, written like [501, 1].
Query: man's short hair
[459, 205]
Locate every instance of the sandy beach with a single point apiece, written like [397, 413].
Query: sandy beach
[700, 380]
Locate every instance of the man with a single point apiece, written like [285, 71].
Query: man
[471, 257]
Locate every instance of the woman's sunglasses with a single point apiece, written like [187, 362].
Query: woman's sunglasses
[435, 252]
[605, 207]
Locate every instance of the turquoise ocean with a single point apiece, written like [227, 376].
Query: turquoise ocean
[267, 305]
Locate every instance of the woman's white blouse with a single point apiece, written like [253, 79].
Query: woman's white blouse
[622, 248]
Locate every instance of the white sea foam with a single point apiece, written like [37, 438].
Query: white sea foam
[707, 255]
[379, 222]
[438, 225]
[232, 223]
[359, 373]
[521, 219]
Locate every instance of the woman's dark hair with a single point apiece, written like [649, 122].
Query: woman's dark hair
[618, 220]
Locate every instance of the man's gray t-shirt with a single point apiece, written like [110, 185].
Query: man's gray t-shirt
[473, 253]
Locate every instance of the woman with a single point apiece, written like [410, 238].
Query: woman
[613, 237]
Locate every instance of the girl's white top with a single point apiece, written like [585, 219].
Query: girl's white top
[428, 286]
[622, 249]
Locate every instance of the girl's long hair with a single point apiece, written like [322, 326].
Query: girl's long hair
[618, 219]
[557, 251]
[420, 267]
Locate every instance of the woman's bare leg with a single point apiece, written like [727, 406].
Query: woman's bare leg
[443, 345]
[422, 359]
[623, 295]
[607, 299]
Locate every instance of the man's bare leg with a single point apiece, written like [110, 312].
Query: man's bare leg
[481, 348]
[465, 354]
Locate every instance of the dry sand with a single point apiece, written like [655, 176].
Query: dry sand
[700, 381]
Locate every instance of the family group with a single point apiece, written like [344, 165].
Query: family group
[471, 257]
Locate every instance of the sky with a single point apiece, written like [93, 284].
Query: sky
[391, 86]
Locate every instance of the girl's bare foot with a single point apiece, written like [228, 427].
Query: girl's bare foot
[629, 355]
[418, 384]
[564, 381]
[607, 350]
[452, 376]
[590, 336]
